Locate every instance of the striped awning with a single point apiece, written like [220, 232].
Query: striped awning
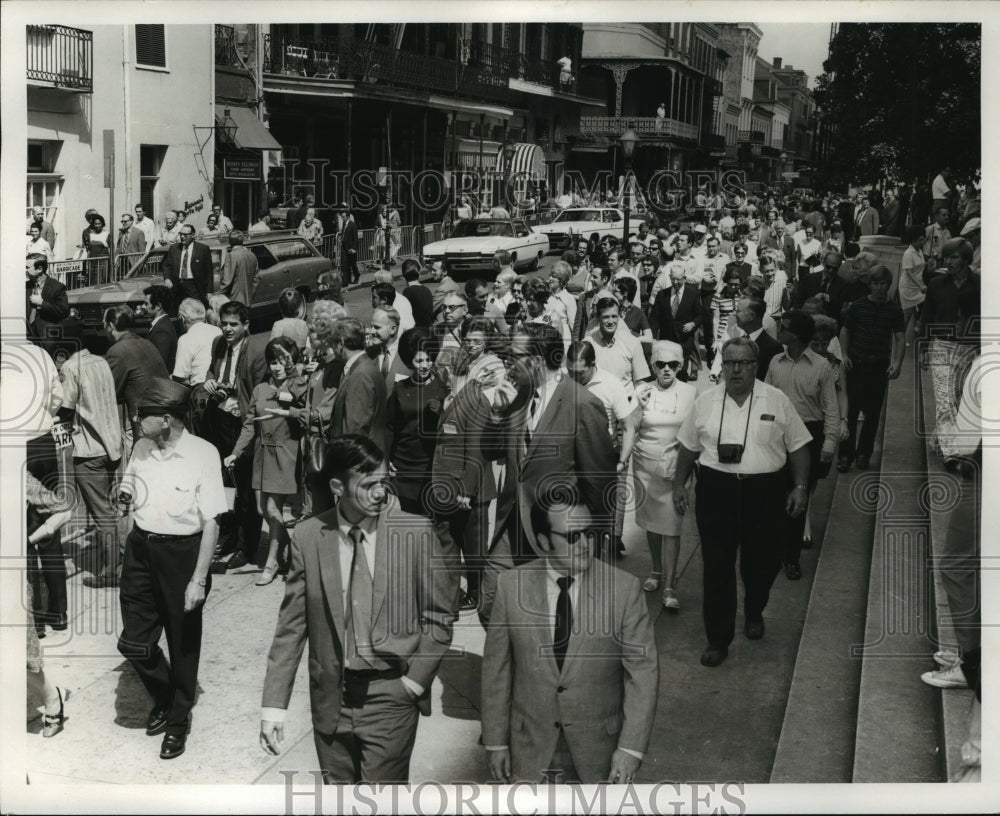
[528, 158]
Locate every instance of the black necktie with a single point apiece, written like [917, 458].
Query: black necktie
[227, 373]
[564, 620]
[532, 408]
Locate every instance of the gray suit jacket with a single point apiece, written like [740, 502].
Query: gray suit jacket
[414, 606]
[605, 695]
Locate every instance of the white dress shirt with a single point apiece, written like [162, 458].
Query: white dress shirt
[194, 353]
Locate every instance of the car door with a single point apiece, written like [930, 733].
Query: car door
[265, 297]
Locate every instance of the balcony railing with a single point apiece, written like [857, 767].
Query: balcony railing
[481, 71]
[651, 126]
[225, 45]
[545, 72]
[62, 57]
[778, 144]
[755, 136]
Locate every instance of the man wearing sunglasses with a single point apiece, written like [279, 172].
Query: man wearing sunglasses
[543, 663]
[741, 432]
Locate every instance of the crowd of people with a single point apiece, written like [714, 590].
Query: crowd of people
[500, 431]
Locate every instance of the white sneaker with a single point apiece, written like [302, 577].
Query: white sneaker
[670, 599]
[951, 677]
[947, 658]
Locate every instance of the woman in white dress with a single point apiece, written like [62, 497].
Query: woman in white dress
[665, 405]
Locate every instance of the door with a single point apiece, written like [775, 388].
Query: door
[239, 204]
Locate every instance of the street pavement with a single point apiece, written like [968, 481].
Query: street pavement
[717, 724]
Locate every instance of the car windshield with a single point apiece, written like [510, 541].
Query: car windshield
[480, 229]
[578, 215]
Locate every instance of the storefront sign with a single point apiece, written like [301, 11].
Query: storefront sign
[247, 168]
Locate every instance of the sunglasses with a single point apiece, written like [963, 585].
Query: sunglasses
[673, 365]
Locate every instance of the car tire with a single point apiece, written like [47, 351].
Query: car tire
[533, 266]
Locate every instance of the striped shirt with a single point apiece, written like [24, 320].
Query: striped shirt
[872, 326]
[810, 384]
[89, 389]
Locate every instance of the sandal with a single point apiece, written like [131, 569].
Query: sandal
[267, 575]
[652, 583]
[670, 598]
[52, 724]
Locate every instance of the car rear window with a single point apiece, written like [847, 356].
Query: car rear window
[265, 260]
[292, 248]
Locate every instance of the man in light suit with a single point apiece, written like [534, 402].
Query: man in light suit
[865, 219]
[187, 268]
[360, 404]
[375, 595]
[240, 271]
[553, 434]
[569, 641]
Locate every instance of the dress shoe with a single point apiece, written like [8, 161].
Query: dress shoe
[861, 462]
[714, 655]
[754, 630]
[52, 724]
[156, 722]
[793, 572]
[173, 746]
[843, 464]
[217, 567]
[467, 602]
[103, 580]
[237, 560]
[267, 575]
[807, 543]
[58, 622]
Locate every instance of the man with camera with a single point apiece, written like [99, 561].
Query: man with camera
[741, 432]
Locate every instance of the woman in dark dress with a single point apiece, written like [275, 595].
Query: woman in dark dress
[412, 419]
[274, 421]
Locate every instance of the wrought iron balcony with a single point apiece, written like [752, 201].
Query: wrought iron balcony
[545, 72]
[778, 144]
[646, 126]
[480, 72]
[713, 86]
[61, 57]
[225, 45]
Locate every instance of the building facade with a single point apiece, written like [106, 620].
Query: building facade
[117, 116]
[793, 91]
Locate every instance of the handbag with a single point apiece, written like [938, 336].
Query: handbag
[667, 466]
[315, 445]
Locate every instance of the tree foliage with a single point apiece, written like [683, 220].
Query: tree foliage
[903, 100]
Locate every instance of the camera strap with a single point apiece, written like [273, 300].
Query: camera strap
[722, 416]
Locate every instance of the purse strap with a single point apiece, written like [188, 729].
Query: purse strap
[319, 418]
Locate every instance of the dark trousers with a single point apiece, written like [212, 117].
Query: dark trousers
[733, 514]
[46, 562]
[95, 479]
[350, 263]
[155, 574]
[795, 527]
[866, 387]
[245, 519]
[373, 741]
[466, 530]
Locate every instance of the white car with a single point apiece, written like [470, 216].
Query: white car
[574, 222]
[474, 242]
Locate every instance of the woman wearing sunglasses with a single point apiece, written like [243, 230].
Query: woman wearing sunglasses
[665, 405]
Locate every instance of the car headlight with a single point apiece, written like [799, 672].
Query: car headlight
[74, 312]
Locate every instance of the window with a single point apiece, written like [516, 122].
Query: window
[150, 46]
[150, 162]
[265, 260]
[295, 248]
[44, 184]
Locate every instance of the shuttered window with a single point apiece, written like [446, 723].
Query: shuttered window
[150, 46]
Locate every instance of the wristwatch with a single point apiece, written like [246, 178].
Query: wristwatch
[199, 581]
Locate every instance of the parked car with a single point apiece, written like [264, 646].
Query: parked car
[286, 261]
[474, 242]
[571, 223]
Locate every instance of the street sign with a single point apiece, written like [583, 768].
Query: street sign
[244, 168]
[65, 267]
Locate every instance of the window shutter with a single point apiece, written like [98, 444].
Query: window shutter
[150, 45]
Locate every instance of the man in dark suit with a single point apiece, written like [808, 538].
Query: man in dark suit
[46, 302]
[374, 593]
[131, 239]
[553, 434]
[676, 314]
[236, 369]
[349, 250]
[420, 297]
[383, 348]
[187, 268]
[360, 404]
[750, 319]
[570, 640]
[162, 333]
[834, 289]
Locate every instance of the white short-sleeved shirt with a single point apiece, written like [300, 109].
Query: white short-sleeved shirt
[194, 353]
[175, 492]
[623, 359]
[774, 429]
[618, 403]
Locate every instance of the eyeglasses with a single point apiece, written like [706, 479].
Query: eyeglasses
[450, 307]
[732, 365]
[673, 365]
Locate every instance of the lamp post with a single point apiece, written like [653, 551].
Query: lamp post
[508, 158]
[628, 142]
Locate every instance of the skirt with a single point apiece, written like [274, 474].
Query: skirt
[654, 498]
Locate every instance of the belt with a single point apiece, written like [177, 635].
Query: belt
[869, 358]
[367, 675]
[164, 536]
[743, 477]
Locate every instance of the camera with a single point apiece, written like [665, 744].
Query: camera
[730, 454]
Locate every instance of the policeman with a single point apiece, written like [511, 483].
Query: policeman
[741, 432]
[174, 480]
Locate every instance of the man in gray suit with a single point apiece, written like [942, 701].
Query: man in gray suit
[240, 271]
[375, 594]
[570, 643]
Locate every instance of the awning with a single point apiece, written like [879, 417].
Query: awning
[250, 131]
[468, 153]
[528, 158]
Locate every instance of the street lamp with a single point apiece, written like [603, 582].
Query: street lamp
[628, 141]
[228, 125]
